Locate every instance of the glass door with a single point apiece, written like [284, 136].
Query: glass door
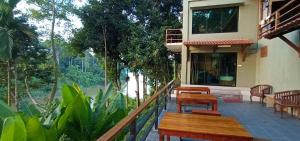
[217, 69]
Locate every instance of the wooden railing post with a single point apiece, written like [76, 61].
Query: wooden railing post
[166, 97]
[277, 14]
[133, 130]
[156, 112]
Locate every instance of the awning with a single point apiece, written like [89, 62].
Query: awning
[245, 42]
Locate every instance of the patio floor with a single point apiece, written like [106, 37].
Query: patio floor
[260, 121]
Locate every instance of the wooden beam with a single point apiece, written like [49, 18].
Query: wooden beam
[290, 43]
[244, 53]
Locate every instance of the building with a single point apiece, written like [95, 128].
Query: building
[239, 43]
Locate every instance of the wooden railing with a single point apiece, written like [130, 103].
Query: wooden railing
[285, 18]
[141, 119]
[173, 36]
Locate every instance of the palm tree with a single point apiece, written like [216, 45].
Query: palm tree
[9, 25]
[6, 37]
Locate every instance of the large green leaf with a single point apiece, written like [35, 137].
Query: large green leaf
[51, 134]
[35, 131]
[13, 129]
[68, 94]
[81, 113]
[66, 116]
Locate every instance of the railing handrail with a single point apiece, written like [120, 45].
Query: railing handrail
[113, 132]
[276, 19]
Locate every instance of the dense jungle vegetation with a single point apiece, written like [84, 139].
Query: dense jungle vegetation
[60, 81]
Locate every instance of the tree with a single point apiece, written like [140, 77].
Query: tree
[131, 34]
[52, 10]
[16, 37]
[105, 31]
[6, 43]
[147, 52]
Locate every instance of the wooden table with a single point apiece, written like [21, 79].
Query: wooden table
[186, 98]
[214, 128]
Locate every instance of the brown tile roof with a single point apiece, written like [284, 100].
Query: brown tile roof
[218, 42]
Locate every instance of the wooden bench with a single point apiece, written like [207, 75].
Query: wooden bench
[260, 91]
[286, 99]
[185, 89]
[206, 112]
[192, 90]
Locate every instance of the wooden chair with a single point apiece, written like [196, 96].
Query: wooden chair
[260, 91]
[286, 99]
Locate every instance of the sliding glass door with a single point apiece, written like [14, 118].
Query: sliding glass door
[217, 69]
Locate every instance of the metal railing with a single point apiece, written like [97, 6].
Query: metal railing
[173, 36]
[281, 20]
[139, 122]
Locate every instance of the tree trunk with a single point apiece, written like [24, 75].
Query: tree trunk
[16, 89]
[144, 87]
[82, 66]
[136, 75]
[53, 91]
[28, 92]
[8, 84]
[127, 96]
[105, 55]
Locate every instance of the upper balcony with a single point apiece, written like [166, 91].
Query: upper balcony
[284, 20]
[174, 40]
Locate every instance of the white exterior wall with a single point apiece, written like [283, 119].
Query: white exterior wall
[281, 68]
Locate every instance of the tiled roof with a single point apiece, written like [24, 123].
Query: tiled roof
[218, 42]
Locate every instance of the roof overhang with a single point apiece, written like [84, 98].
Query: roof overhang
[243, 43]
[216, 43]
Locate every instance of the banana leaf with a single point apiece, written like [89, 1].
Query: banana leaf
[13, 129]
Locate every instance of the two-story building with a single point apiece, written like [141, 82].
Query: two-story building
[239, 43]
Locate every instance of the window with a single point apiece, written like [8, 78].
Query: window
[218, 69]
[217, 20]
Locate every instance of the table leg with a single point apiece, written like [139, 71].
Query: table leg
[215, 106]
[168, 138]
[179, 106]
[161, 137]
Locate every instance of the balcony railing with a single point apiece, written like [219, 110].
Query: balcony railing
[173, 36]
[138, 124]
[283, 20]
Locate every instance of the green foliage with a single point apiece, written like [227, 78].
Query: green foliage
[13, 129]
[6, 43]
[77, 117]
[74, 74]
[134, 35]
[35, 130]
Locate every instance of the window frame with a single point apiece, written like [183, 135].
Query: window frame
[212, 8]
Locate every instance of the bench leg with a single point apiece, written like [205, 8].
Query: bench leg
[168, 138]
[161, 137]
[281, 111]
[179, 107]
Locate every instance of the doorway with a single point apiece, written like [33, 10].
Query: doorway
[217, 69]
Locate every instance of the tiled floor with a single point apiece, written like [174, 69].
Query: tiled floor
[260, 121]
